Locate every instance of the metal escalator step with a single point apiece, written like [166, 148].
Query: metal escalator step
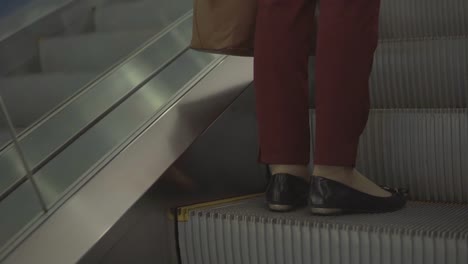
[423, 18]
[126, 16]
[425, 150]
[28, 97]
[245, 232]
[89, 52]
[426, 73]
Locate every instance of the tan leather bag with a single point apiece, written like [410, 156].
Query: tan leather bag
[224, 26]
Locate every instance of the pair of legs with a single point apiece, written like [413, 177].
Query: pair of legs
[346, 41]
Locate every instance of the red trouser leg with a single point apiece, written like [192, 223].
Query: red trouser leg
[282, 44]
[346, 43]
[347, 39]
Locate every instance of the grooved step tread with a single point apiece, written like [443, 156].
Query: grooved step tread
[418, 18]
[436, 218]
[246, 233]
[424, 150]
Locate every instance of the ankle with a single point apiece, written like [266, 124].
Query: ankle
[301, 171]
[336, 173]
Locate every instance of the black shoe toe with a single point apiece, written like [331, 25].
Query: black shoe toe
[328, 197]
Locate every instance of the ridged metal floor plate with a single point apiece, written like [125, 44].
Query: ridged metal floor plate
[425, 73]
[423, 150]
[246, 232]
[423, 18]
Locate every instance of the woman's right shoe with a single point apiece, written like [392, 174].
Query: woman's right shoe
[286, 192]
[328, 197]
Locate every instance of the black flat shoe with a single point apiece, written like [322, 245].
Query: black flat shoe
[328, 197]
[286, 192]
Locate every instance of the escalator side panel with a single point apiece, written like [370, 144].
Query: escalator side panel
[134, 170]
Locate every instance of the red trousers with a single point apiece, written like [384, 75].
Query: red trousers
[346, 41]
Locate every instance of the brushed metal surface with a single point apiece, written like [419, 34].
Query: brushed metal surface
[108, 135]
[93, 209]
[21, 207]
[121, 123]
[14, 138]
[18, 211]
[220, 163]
[51, 133]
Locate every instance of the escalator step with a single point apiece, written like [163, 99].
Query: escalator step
[423, 150]
[138, 15]
[426, 73]
[423, 18]
[89, 52]
[244, 232]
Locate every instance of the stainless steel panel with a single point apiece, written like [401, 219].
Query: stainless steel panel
[117, 126]
[21, 155]
[145, 234]
[223, 161]
[13, 166]
[145, 159]
[9, 135]
[50, 134]
[23, 203]
[17, 211]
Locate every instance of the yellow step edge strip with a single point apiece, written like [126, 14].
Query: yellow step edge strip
[183, 213]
